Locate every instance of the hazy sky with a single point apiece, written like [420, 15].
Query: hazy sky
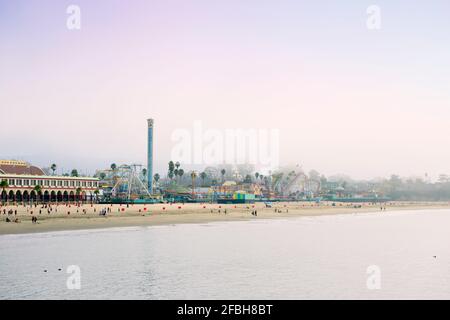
[345, 99]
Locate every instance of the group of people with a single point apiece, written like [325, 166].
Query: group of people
[35, 209]
[10, 212]
[218, 211]
[104, 211]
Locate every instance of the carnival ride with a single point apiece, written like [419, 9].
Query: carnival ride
[296, 185]
[129, 183]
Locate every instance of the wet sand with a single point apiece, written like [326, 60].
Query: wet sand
[73, 217]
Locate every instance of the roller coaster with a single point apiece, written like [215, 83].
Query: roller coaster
[297, 185]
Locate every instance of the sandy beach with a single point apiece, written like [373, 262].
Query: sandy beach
[73, 217]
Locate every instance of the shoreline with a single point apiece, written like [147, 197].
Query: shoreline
[87, 217]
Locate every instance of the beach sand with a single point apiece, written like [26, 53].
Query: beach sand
[72, 217]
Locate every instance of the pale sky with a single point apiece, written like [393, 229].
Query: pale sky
[345, 99]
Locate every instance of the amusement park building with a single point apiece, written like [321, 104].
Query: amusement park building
[22, 179]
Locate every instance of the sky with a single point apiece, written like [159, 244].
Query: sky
[344, 98]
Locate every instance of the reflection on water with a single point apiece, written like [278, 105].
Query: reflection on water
[305, 258]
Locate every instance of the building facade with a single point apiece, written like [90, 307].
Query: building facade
[28, 183]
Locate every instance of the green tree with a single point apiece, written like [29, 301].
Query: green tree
[256, 175]
[156, 178]
[180, 173]
[171, 169]
[113, 167]
[78, 193]
[3, 185]
[203, 176]
[38, 190]
[74, 173]
[102, 176]
[96, 192]
[193, 177]
[53, 167]
[222, 172]
[248, 179]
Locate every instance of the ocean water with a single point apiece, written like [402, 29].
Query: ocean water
[298, 258]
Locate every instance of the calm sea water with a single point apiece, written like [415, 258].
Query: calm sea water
[304, 258]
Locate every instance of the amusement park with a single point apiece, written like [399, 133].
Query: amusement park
[137, 184]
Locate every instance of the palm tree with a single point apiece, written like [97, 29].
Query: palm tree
[223, 171]
[180, 173]
[144, 174]
[78, 192]
[96, 192]
[74, 173]
[193, 176]
[3, 185]
[156, 178]
[53, 167]
[256, 175]
[38, 190]
[171, 169]
[102, 176]
[113, 166]
[203, 175]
